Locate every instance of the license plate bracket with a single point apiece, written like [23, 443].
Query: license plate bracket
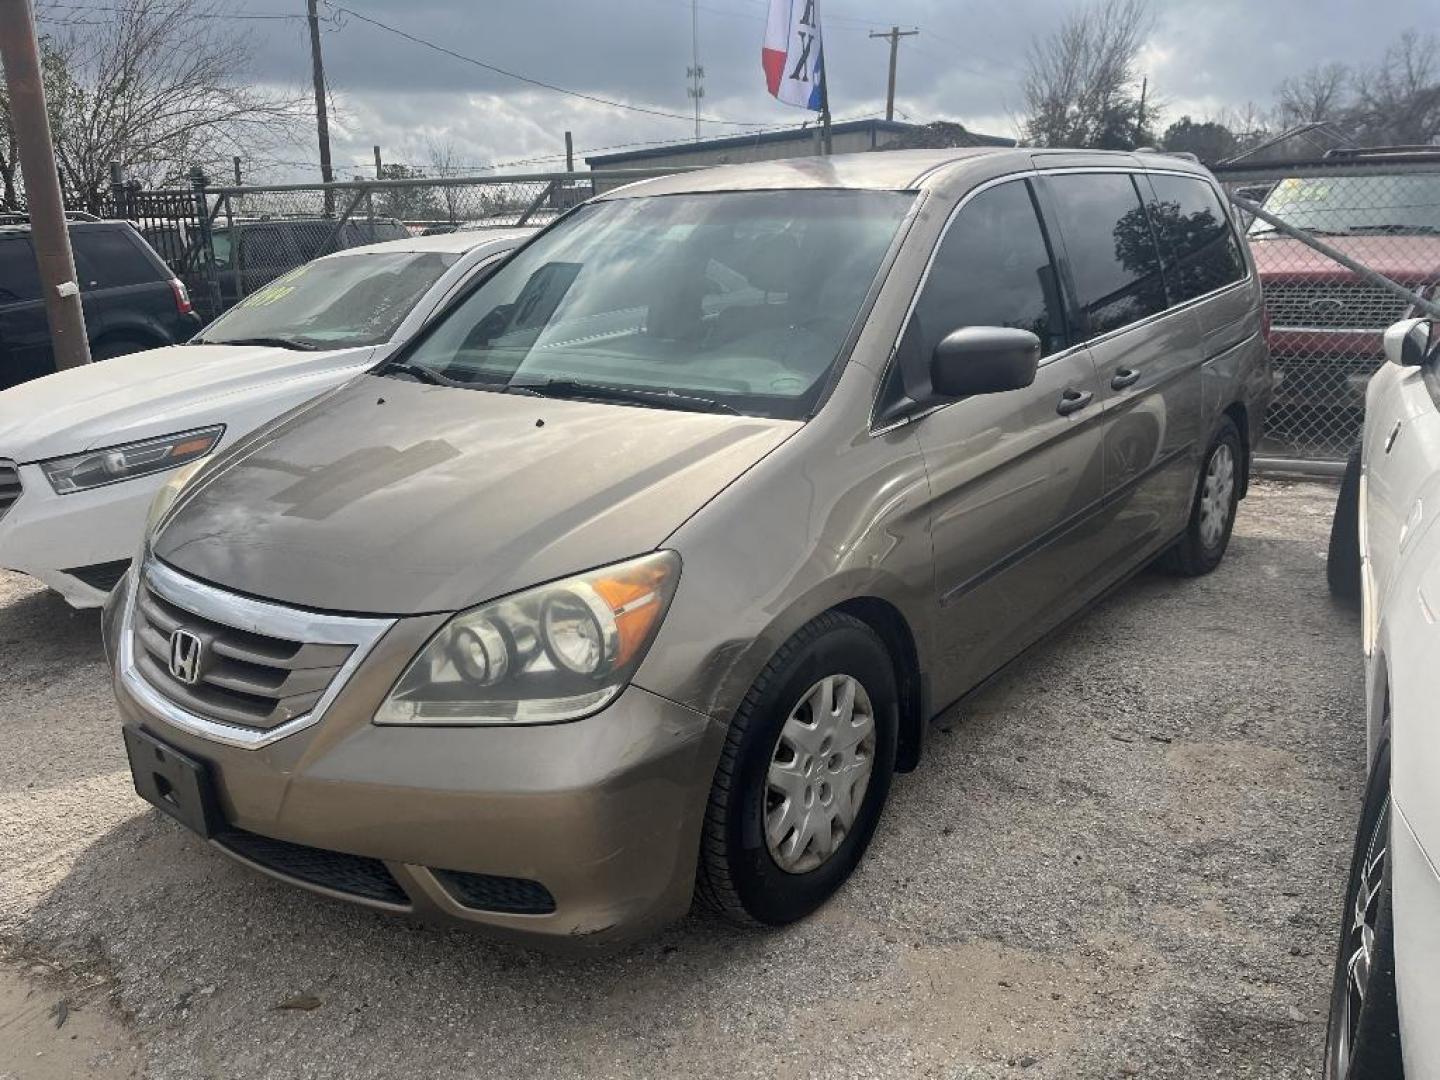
[173, 782]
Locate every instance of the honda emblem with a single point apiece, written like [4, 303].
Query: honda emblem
[186, 650]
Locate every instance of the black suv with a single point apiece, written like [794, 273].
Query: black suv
[132, 300]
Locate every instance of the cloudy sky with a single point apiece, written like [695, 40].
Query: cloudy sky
[1203, 57]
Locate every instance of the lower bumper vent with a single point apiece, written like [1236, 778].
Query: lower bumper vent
[503, 895]
[354, 875]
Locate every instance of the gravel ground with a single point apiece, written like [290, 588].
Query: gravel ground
[1123, 858]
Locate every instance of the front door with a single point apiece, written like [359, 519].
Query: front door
[1014, 477]
[25, 351]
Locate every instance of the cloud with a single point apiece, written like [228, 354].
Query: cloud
[967, 64]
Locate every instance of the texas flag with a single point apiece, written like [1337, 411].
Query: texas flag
[792, 55]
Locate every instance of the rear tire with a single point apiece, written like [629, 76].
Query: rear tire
[758, 864]
[1342, 564]
[1362, 1037]
[1212, 512]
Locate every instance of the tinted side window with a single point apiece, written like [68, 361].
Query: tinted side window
[262, 247]
[19, 276]
[993, 268]
[1196, 241]
[107, 258]
[1110, 247]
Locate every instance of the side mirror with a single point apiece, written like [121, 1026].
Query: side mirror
[1407, 343]
[984, 360]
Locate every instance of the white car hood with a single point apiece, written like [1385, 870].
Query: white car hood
[156, 392]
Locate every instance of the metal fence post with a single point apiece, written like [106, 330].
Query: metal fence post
[199, 182]
[118, 192]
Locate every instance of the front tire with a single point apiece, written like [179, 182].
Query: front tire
[1212, 512]
[803, 777]
[1362, 1038]
[1342, 562]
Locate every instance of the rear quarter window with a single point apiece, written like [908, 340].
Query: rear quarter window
[111, 258]
[19, 275]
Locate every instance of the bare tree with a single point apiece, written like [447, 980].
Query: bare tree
[1398, 101]
[159, 86]
[1319, 93]
[1082, 87]
[444, 162]
[52, 69]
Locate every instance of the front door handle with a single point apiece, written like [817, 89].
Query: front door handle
[1123, 378]
[1073, 400]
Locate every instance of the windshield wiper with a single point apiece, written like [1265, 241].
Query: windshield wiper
[1396, 230]
[273, 342]
[422, 375]
[655, 399]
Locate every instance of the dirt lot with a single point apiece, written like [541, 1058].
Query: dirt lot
[1123, 859]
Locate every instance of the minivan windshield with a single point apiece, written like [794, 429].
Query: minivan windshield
[341, 302]
[731, 302]
[1399, 204]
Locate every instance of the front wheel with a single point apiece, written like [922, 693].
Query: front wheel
[1212, 513]
[1362, 1039]
[803, 777]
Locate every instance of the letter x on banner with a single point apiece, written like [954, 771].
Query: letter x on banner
[793, 58]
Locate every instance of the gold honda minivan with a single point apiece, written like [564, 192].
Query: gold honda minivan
[637, 575]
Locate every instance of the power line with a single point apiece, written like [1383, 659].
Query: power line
[527, 79]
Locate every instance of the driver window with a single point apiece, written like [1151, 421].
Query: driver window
[993, 268]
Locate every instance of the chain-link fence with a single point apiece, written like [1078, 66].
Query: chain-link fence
[226, 242]
[1345, 246]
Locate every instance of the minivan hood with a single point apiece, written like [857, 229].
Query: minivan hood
[398, 498]
[144, 394]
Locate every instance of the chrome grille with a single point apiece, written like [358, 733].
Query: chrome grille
[1332, 305]
[10, 486]
[262, 670]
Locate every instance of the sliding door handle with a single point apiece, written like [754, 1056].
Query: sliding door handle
[1123, 378]
[1073, 400]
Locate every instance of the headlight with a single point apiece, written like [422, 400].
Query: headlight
[166, 496]
[100, 467]
[552, 653]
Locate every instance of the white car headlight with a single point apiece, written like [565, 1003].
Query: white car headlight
[556, 652]
[166, 496]
[96, 468]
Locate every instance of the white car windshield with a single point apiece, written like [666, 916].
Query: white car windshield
[341, 302]
[728, 302]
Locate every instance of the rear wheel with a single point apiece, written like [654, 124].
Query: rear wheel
[1212, 514]
[1362, 1041]
[1342, 564]
[803, 777]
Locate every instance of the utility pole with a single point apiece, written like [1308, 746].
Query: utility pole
[569, 152]
[20, 56]
[1140, 115]
[322, 123]
[379, 169]
[695, 72]
[894, 36]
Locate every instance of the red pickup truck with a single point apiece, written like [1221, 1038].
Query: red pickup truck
[1325, 322]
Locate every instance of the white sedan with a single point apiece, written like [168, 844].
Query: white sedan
[83, 451]
[1385, 551]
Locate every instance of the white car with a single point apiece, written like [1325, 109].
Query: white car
[1385, 551]
[83, 451]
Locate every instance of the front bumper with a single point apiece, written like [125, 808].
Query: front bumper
[44, 535]
[604, 814]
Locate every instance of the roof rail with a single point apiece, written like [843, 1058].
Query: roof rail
[17, 217]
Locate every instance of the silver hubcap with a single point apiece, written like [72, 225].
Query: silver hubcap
[1216, 493]
[1358, 944]
[819, 773]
